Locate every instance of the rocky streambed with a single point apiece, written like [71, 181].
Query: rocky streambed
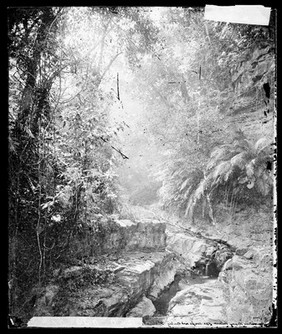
[169, 277]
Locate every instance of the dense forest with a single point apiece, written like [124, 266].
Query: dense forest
[123, 112]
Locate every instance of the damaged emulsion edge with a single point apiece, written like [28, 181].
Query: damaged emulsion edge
[275, 240]
[254, 15]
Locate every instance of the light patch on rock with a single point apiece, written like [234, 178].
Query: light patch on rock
[142, 309]
[199, 303]
[125, 222]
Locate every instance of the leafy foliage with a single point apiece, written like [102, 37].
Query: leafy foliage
[180, 187]
[199, 77]
[61, 151]
[32, 69]
[70, 67]
[242, 164]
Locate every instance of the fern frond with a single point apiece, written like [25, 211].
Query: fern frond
[242, 145]
[262, 144]
[250, 168]
[219, 153]
[200, 190]
[187, 192]
[190, 208]
[259, 171]
[220, 171]
[240, 160]
[195, 196]
[177, 172]
[184, 184]
[263, 186]
[227, 174]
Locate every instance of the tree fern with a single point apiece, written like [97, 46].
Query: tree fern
[178, 186]
[243, 162]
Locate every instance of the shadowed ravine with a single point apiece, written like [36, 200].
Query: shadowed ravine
[159, 275]
[162, 302]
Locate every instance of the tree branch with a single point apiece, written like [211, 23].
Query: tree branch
[116, 149]
[109, 65]
[118, 87]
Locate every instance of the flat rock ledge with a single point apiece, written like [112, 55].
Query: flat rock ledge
[133, 277]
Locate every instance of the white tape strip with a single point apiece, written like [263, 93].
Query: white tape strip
[257, 15]
[82, 322]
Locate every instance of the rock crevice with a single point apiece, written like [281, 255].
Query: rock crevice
[148, 262]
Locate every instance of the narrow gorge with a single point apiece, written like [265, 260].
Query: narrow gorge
[142, 167]
[165, 274]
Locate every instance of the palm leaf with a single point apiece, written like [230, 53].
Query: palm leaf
[200, 190]
[240, 160]
[220, 171]
[177, 172]
[209, 181]
[218, 150]
[263, 186]
[250, 168]
[195, 196]
[242, 145]
[259, 171]
[260, 186]
[189, 210]
[187, 192]
[227, 174]
[219, 153]
[203, 186]
[184, 184]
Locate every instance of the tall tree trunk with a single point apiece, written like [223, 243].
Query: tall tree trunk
[25, 155]
[103, 44]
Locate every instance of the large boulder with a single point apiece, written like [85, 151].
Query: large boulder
[144, 308]
[201, 304]
[249, 288]
[206, 256]
[222, 254]
[165, 274]
[262, 256]
[189, 247]
[45, 300]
